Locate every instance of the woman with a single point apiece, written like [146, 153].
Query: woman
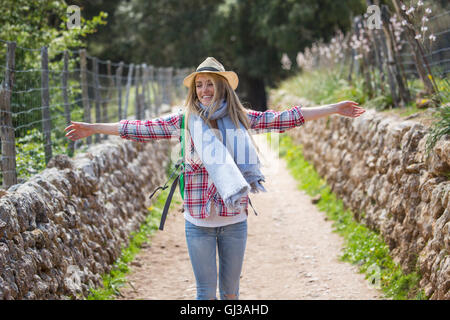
[221, 166]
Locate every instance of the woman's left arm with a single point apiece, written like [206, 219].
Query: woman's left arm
[343, 108]
[280, 121]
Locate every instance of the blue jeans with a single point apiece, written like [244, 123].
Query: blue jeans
[230, 241]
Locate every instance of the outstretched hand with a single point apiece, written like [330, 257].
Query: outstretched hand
[78, 130]
[349, 109]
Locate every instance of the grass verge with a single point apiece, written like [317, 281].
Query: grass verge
[363, 246]
[116, 278]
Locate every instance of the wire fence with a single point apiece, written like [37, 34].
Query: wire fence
[409, 47]
[42, 91]
[436, 52]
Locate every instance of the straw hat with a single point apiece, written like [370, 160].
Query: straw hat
[211, 65]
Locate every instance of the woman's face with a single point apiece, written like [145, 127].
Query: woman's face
[204, 88]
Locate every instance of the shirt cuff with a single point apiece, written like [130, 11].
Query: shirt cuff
[300, 118]
[123, 129]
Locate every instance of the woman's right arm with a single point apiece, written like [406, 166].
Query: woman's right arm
[164, 127]
[80, 130]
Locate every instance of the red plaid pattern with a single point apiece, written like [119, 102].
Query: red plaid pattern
[199, 189]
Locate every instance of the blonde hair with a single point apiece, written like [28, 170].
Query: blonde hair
[222, 90]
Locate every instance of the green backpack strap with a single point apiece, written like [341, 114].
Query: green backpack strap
[182, 156]
[179, 179]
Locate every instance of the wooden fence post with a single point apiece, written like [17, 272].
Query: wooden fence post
[119, 89]
[165, 88]
[105, 101]
[352, 52]
[137, 99]
[85, 91]
[175, 75]
[377, 38]
[127, 94]
[98, 113]
[160, 77]
[352, 64]
[180, 83]
[373, 35]
[170, 85]
[145, 89]
[71, 146]
[389, 62]
[6, 126]
[153, 91]
[163, 94]
[364, 61]
[45, 98]
[391, 56]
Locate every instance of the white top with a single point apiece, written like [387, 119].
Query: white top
[214, 220]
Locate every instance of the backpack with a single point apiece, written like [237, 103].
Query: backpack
[182, 156]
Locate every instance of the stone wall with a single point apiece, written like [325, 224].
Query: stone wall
[378, 166]
[64, 228]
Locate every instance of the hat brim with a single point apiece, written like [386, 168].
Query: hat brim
[231, 77]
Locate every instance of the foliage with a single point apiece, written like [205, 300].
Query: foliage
[246, 36]
[32, 25]
[30, 155]
[159, 32]
[37, 23]
[363, 246]
[440, 128]
[325, 86]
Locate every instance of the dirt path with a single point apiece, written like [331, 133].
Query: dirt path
[291, 252]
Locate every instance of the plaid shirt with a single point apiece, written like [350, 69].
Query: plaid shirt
[199, 189]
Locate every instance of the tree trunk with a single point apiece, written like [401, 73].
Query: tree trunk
[252, 93]
[391, 54]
